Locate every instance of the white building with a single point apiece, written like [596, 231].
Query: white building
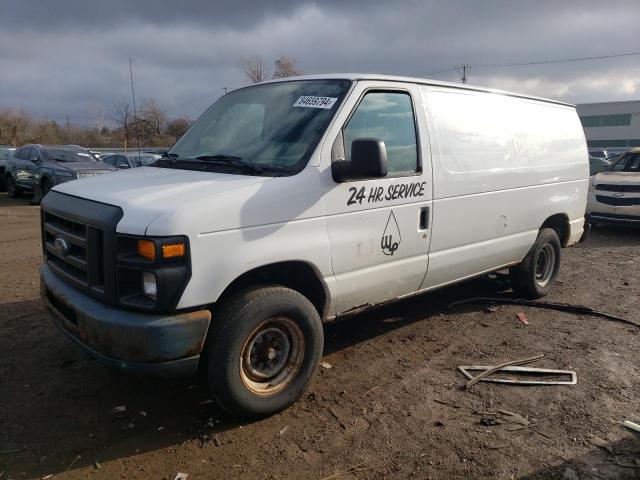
[611, 124]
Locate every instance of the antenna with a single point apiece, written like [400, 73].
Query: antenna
[133, 97]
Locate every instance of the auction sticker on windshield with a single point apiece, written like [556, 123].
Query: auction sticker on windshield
[315, 102]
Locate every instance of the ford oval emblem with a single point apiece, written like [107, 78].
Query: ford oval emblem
[61, 246]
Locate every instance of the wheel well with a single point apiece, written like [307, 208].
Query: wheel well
[560, 223]
[297, 275]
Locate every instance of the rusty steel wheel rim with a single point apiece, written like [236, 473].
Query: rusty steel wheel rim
[545, 265]
[272, 356]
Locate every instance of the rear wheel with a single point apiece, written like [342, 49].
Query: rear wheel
[263, 350]
[12, 189]
[535, 276]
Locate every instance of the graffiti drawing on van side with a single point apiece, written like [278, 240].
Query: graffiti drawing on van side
[391, 237]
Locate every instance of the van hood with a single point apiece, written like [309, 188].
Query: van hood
[617, 178]
[145, 193]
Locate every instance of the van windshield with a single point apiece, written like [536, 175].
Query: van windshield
[272, 127]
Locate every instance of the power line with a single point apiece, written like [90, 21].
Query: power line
[543, 62]
[465, 66]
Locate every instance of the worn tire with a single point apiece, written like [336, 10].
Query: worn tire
[534, 277]
[242, 328]
[12, 189]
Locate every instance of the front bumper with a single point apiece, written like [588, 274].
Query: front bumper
[613, 219]
[598, 212]
[162, 345]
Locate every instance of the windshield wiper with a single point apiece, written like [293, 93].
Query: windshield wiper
[231, 160]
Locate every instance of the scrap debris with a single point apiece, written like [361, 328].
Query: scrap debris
[600, 442]
[521, 316]
[511, 367]
[525, 370]
[491, 370]
[631, 426]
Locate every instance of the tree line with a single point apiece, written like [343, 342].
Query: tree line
[119, 126]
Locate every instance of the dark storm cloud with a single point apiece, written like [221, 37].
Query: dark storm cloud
[71, 56]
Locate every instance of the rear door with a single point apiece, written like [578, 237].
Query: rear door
[379, 228]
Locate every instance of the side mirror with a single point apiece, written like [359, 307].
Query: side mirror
[368, 160]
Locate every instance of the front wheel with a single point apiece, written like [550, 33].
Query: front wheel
[535, 276]
[47, 184]
[12, 189]
[263, 350]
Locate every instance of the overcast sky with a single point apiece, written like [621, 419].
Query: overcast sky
[70, 57]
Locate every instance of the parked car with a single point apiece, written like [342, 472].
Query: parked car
[297, 202]
[614, 195]
[37, 168]
[598, 164]
[599, 153]
[130, 159]
[6, 152]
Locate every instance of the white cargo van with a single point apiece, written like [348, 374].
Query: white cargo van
[294, 202]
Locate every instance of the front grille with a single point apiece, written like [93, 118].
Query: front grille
[618, 188]
[83, 243]
[88, 229]
[618, 201]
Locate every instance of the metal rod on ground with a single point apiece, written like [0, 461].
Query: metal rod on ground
[562, 307]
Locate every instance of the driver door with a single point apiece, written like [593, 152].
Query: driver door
[379, 227]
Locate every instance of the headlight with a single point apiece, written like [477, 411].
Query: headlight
[149, 286]
[152, 272]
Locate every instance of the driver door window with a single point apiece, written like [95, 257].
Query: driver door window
[386, 116]
[122, 162]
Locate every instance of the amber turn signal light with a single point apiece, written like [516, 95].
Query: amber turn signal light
[147, 249]
[171, 250]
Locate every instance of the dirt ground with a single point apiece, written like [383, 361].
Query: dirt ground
[392, 405]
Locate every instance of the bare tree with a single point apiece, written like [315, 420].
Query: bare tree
[177, 127]
[152, 113]
[122, 116]
[285, 67]
[254, 69]
[98, 113]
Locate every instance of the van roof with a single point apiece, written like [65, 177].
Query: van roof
[419, 80]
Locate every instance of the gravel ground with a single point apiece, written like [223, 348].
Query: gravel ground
[392, 405]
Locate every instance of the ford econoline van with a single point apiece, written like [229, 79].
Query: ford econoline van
[295, 202]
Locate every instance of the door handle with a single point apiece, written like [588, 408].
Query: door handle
[424, 218]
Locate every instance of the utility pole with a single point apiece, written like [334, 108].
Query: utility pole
[462, 69]
[135, 114]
